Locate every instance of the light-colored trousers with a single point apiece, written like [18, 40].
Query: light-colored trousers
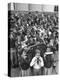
[48, 71]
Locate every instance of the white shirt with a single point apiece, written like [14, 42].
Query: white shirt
[34, 63]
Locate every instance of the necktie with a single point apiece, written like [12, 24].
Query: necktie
[38, 60]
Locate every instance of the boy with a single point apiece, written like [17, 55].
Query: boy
[37, 63]
[48, 62]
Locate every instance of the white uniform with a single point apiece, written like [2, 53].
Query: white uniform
[37, 66]
[34, 63]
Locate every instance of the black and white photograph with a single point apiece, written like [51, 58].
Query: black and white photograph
[33, 39]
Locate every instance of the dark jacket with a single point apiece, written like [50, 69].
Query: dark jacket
[48, 61]
[24, 64]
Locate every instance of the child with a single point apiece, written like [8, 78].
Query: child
[37, 63]
[48, 62]
[25, 70]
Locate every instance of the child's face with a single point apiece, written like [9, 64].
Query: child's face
[37, 53]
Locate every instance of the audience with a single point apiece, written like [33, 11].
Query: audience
[29, 28]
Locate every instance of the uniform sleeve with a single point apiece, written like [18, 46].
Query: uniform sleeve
[32, 62]
[42, 62]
